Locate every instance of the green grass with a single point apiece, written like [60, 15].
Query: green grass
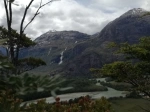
[130, 105]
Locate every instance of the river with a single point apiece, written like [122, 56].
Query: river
[94, 95]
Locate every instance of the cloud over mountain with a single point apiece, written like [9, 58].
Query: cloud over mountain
[88, 16]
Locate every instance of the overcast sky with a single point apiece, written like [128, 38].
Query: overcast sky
[87, 16]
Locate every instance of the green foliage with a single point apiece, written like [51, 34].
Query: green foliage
[29, 63]
[3, 33]
[26, 84]
[13, 42]
[102, 105]
[81, 85]
[24, 40]
[117, 85]
[140, 51]
[146, 14]
[13, 45]
[119, 69]
[135, 69]
[112, 44]
[5, 66]
[33, 61]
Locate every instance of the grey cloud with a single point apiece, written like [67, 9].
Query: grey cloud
[115, 5]
[31, 32]
[88, 16]
[52, 15]
[96, 26]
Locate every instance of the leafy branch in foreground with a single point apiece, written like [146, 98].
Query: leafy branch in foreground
[135, 69]
[25, 84]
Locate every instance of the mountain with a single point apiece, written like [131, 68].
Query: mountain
[55, 40]
[51, 47]
[73, 53]
[61, 35]
[129, 27]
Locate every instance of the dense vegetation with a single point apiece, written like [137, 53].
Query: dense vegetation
[135, 67]
[81, 85]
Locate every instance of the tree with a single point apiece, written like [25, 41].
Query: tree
[22, 64]
[15, 41]
[135, 67]
[4, 36]
[21, 36]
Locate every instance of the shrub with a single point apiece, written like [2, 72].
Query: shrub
[8, 103]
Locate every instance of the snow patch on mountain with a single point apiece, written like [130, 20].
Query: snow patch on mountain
[135, 12]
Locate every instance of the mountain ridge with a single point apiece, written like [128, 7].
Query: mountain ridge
[78, 52]
[128, 27]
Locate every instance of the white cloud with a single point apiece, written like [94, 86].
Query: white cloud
[88, 16]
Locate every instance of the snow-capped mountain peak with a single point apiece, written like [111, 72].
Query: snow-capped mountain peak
[135, 12]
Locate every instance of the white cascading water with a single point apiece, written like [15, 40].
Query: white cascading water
[61, 57]
[49, 51]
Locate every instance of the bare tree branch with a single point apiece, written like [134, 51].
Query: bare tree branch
[22, 21]
[10, 15]
[21, 29]
[8, 10]
[7, 13]
[24, 16]
[37, 12]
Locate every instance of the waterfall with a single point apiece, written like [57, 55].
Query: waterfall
[76, 42]
[49, 51]
[61, 56]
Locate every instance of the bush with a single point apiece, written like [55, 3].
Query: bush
[9, 103]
